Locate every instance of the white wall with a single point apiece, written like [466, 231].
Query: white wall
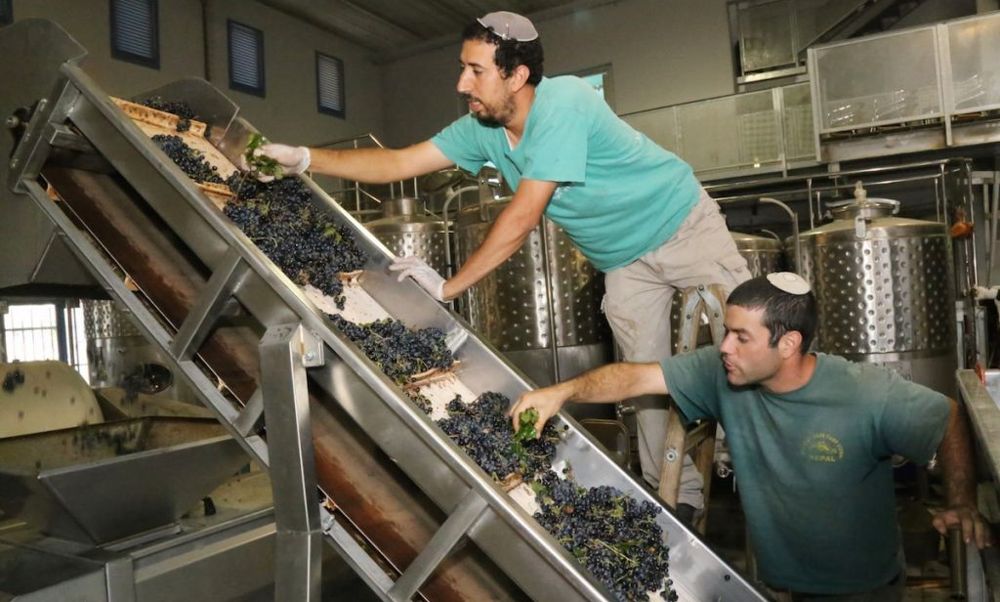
[288, 112]
[661, 52]
[89, 22]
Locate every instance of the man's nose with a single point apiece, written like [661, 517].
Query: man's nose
[727, 343]
[463, 86]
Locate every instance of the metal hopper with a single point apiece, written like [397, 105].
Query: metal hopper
[104, 482]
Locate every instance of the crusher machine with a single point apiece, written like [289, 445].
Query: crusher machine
[353, 462]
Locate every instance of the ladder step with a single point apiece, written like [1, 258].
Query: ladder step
[458, 524]
[355, 556]
[218, 290]
[250, 414]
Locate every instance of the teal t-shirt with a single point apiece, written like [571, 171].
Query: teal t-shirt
[619, 195]
[813, 465]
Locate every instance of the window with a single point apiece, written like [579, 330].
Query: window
[46, 331]
[330, 85]
[135, 32]
[246, 58]
[6, 12]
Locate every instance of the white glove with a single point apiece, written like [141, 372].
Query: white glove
[426, 276]
[292, 159]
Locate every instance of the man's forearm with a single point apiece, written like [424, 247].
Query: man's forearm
[368, 165]
[955, 455]
[495, 250]
[614, 382]
[511, 228]
[379, 165]
[606, 384]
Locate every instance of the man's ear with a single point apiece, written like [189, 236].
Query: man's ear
[519, 77]
[790, 343]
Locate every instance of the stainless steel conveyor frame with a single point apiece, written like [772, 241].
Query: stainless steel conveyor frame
[74, 115]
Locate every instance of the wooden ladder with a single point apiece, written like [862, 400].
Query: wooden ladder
[696, 301]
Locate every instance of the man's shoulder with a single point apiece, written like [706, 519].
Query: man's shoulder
[862, 380]
[567, 90]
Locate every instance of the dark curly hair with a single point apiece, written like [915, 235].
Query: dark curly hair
[509, 53]
[783, 312]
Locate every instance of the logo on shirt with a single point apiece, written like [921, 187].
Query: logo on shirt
[823, 447]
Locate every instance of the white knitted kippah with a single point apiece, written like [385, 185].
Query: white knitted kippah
[789, 282]
[510, 26]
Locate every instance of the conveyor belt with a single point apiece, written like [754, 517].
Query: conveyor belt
[206, 296]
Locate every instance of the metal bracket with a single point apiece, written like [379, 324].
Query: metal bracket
[313, 350]
[61, 136]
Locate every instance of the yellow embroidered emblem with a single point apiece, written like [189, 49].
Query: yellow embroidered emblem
[822, 447]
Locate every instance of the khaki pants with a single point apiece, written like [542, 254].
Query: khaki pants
[637, 305]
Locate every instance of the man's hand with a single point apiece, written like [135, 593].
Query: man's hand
[293, 160]
[426, 276]
[547, 402]
[974, 528]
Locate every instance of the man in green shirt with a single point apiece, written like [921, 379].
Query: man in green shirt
[634, 209]
[811, 438]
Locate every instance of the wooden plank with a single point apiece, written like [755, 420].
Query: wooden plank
[163, 119]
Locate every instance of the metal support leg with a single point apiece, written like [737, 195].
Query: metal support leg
[120, 576]
[292, 469]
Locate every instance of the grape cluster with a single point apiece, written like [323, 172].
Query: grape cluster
[397, 350]
[614, 535]
[12, 380]
[483, 429]
[179, 108]
[121, 440]
[420, 400]
[190, 161]
[302, 240]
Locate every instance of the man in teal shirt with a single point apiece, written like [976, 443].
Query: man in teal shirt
[811, 437]
[635, 210]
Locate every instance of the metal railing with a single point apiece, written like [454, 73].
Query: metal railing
[357, 190]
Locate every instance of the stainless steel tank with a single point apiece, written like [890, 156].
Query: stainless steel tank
[119, 356]
[884, 289]
[763, 254]
[407, 232]
[511, 308]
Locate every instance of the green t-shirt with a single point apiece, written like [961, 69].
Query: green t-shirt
[619, 195]
[813, 465]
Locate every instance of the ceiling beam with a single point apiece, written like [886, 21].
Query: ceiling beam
[555, 12]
